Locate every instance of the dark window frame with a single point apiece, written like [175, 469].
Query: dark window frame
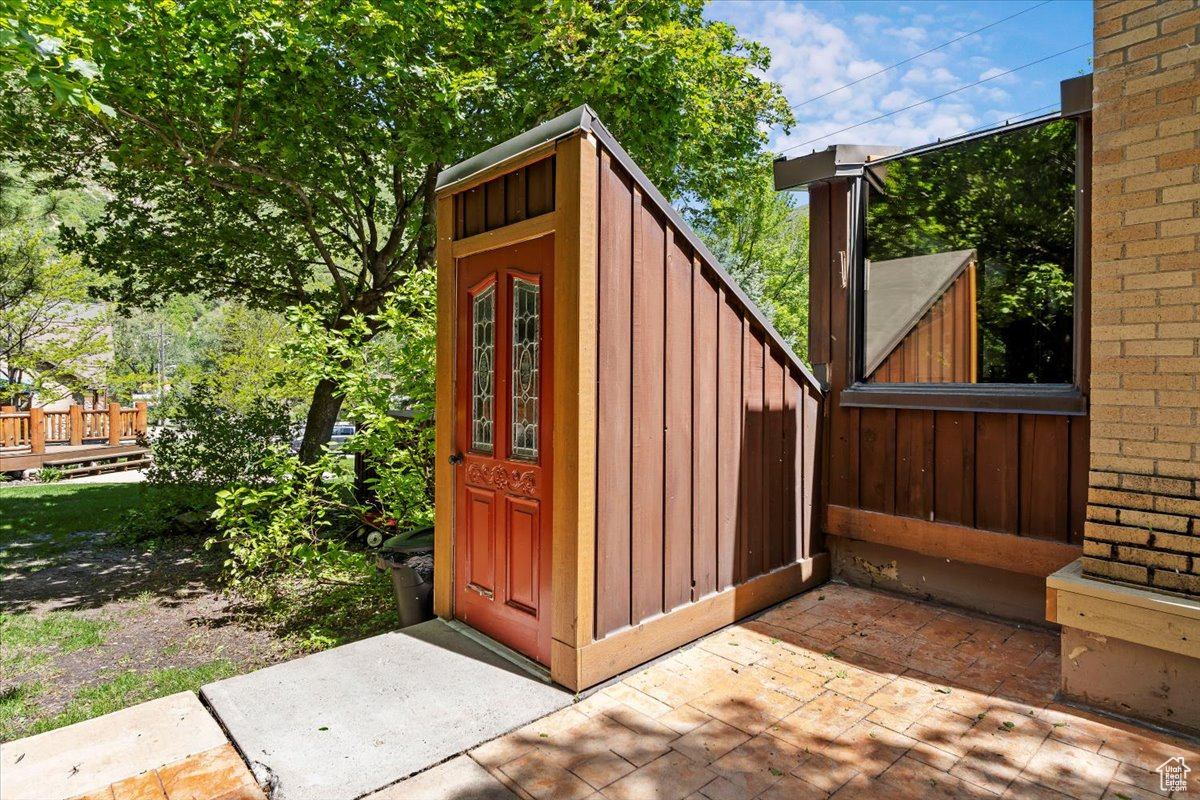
[1057, 398]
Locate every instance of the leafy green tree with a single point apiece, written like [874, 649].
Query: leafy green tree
[53, 341]
[43, 51]
[1010, 197]
[286, 154]
[760, 236]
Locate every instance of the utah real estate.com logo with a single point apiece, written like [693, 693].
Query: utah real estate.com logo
[1172, 775]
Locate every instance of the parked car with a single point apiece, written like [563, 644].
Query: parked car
[341, 432]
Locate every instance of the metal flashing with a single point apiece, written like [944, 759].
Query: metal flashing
[1076, 96]
[578, 118]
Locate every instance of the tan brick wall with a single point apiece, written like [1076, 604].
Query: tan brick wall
[1144, 501]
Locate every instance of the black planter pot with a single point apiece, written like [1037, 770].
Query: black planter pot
[414, 592]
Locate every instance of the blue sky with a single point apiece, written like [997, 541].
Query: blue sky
[819, 46]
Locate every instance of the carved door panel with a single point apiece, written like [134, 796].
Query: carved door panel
[502, 432]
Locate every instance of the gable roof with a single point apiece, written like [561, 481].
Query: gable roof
[584, 118]
[900, 292]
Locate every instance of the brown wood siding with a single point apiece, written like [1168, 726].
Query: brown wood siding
[714, 454]
[941, 347]
[1018, 473]
[523, 193]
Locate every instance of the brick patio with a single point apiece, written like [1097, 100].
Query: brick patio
[846, 693]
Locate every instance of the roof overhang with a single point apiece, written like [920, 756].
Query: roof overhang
[581, 118]
[835, 161]
[1075, 96]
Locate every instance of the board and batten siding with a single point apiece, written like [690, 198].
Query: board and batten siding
[707, 433]
[1023, 474]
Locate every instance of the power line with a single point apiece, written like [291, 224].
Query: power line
[1006, 120]
[919, 55]
[937, 97]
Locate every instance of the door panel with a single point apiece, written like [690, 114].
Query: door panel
[502, 416]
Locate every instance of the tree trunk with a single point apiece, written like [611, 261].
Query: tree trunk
[318, 427]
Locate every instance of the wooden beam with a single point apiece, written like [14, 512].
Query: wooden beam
[76, 424]
[626, 649]
[507, 235]
[1021, 554]
[37, 430]
[443, 537]
[573, 505]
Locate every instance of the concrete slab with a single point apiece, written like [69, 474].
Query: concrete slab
[339, 724]
[457, 779]
[93, 754]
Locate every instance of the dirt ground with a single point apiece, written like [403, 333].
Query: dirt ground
[157, 608]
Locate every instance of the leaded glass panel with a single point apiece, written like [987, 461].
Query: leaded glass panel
[525, 369]
[483, 349]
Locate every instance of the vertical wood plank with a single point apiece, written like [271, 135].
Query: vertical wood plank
[729, 442]
[677, 499]
[914, 463]
[877, 459]
[648, 352]
[540, 186]
[1045, 485]
[792, 472]
[574, 402]
[954, 467]
[819, 269]
[996, 472]
[704, 432]
[773, 497]
[613, 443]
[810, 505]
[494, 202]
[473, 211]
[444, 517]
[514, 196]
[753, 540]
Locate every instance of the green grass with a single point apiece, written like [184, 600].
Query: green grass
[29, 640]
[39, 520]
[122, 691]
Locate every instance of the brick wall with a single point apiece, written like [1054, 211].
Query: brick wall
[1144, 500]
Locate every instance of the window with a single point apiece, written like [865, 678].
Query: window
[525, 372]
[483, 346]
[969, 269]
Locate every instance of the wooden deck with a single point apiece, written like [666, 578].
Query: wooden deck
[23, 460]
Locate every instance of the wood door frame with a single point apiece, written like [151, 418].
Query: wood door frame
[573, 437]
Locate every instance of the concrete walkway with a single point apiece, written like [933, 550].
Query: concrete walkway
[173, 735]
[339, 724]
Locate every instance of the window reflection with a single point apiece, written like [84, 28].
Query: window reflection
[970, 251]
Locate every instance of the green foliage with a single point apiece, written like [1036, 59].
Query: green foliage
[50, 475]
[309, 516]
[1012, 198]
[52, 338]
[41, 51]
[205, 450]
[760, 236]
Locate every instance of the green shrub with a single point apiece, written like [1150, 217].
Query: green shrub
[207, 449]
[50, 475]
[312, 516]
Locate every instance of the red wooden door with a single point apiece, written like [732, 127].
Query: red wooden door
[502, 436]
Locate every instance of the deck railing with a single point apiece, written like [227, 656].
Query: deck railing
[36, 428]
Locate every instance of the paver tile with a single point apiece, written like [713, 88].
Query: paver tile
[208, 775]
[709, 742]
[671, 777]
[544, 779]
[602, 769]
[141, 787]
[759, 763]
[1073, 771]
[851, 694]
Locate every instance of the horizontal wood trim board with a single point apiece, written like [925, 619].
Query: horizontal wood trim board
[1159, 629]
[516, 233]
[1021, 554]
[626, 649]
[531, 156]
